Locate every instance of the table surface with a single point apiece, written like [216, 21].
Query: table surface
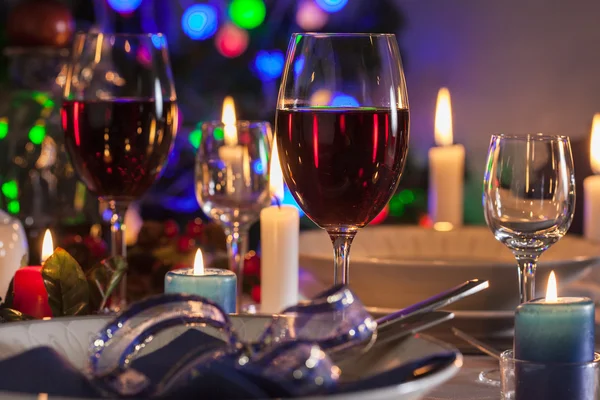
[465, 385]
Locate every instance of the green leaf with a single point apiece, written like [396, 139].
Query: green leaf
[8, 299]
[68, 292]
[10, 315]
[103, 279]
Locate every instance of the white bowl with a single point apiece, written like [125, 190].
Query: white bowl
[71, 337]
[395, 266]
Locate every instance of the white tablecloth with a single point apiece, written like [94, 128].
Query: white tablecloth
[465, 385]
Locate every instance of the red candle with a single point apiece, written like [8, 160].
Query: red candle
[29, 291]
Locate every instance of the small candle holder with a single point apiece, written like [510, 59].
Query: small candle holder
[549, 381]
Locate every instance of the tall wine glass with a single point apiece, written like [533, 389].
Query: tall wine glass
[119, 115]
[342, 131]
[529, 197]
[232, 182]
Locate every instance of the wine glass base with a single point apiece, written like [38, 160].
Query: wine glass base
[490, 377]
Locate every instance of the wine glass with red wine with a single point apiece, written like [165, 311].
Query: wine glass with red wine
[119, 115]
[342, 130]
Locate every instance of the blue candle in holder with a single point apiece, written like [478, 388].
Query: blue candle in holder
[555, 331]
[218, 285]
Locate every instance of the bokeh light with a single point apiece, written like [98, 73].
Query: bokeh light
[298, 66]
[3, 127]
[331, 6]
[231, 41]
[37, 133]
[310, 16]
[124, 6]
[10, 189]
[247, 14]
[199, 21]
[269, 64]
[195, 138]
[344, 100]
[13, 207]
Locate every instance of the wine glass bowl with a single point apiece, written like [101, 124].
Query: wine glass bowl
[342, 130]
[232, 184]
[120, 118]
[529, 197]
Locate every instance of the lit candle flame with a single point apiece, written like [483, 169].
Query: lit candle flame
[275, 175]
[229, 120]
[199, 263]
[551, 291]
[443, 118]
[47, 246]
[595, 145]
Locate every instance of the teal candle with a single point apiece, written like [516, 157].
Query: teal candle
[555, 331]
[218, 285]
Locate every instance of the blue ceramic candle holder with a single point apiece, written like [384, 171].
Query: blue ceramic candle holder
[526, 380]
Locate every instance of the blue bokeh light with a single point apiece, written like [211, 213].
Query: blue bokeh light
[158, 41]
[258, 167]
[344, 100]
[269, 64]
[298, 66]
[124, 6]
[199, 21]
[331, 6]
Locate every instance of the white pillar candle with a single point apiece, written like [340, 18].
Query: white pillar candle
[279, 230]
[591, 187]
[446, 168]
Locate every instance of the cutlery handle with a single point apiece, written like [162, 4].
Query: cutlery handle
[436, 302]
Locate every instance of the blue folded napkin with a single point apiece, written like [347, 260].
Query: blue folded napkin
[43, 370]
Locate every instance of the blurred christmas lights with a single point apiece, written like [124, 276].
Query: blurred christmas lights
[199, 21]
[269, 64]
[310, 16]
[231, 41]
[331, 6]
[343, 100]
[247, 14]
[124, 6]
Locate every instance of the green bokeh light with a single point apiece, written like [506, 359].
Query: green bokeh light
[37, 134]
[10, 189]
[247, 14]
[219, 133]
[406, 196]
[3, 127]
[14, 207]
[195, 138]
[49, 103]
[396, 206]
[40, 97]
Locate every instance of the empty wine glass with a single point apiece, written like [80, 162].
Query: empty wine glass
[232, 182]
[529, 197]
[342, 130]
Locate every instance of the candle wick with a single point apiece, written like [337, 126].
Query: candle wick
[277, 202]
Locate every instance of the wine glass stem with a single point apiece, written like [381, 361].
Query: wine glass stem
[527, 267]
[118, 249]
[237, 247]
[342, 240]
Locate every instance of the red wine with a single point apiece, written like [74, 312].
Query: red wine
[342, 165]
[118, 148]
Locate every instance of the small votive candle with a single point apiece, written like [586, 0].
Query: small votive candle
[215, 284]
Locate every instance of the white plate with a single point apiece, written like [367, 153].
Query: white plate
[71, 338]
[395, 266]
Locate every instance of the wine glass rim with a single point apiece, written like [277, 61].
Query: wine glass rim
[343, 34]
[530, 137]
[124, 35]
